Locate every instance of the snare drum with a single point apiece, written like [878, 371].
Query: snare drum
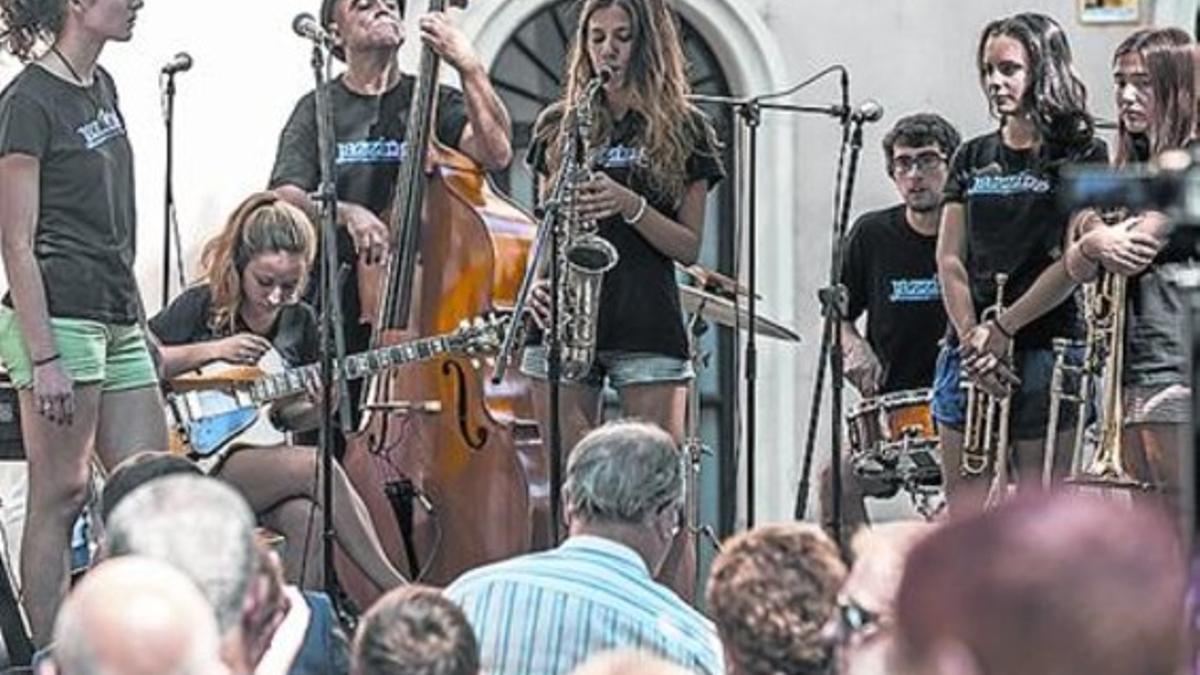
[907, 415]
[865, 426]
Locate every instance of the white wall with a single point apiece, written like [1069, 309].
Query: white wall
[908, 54]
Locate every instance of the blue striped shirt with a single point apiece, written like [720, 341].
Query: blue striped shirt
[545, 613]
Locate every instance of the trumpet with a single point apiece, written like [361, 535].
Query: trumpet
[1103, 362]
[985, 431]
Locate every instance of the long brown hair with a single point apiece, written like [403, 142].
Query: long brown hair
[658, 85]
[1169, 60]
[262, 223]
[26, 23]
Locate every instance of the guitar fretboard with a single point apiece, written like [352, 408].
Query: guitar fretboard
[292, 381]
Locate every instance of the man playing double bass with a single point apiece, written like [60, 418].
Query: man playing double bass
[370, 102]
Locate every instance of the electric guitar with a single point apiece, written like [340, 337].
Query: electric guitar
[222, 402]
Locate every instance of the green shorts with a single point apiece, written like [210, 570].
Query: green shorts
[113, 355]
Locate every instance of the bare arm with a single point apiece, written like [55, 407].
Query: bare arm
[678, 240]
[487, 138]
[20, 197]
[952, 269]
[862, 367]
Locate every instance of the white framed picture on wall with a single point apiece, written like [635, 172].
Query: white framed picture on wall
[1109, 11]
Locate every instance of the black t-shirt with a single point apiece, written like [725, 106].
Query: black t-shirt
[186, 321]
[370, 133]
[639, 299]
[1155, 339]
[86, 229]
[890, 272]
[1014, 225]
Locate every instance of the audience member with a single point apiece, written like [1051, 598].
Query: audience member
[628, 662]
[295, 631]
[136, 470]
[771, 591]
[415, 630]
[135, 616]
[203, 528]
[544, 613]
[1044, 585]
[866, 606]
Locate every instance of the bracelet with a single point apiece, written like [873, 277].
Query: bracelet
[49, 359]
[641, 211]
[1000, 327]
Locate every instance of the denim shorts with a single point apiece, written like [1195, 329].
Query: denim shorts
[1030, 411]
[113, 355]
[619, 367]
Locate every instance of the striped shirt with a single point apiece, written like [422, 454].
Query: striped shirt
[545, 613]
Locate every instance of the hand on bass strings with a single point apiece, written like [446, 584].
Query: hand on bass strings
[242, 349]
[448, 41]
[602, 197]
[53, 392]
[1120, 248]
[369, 233]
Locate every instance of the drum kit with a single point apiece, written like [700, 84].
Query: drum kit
[892, 438]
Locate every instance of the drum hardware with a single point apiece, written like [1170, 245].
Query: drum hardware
[694, 450]
[893, 437]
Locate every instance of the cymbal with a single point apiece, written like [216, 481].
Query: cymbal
[714, 282]
[723, 311]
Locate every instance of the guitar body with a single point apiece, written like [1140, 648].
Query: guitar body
[213, 410]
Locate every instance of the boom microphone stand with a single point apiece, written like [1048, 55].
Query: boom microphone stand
[170, 222]
[749, 112]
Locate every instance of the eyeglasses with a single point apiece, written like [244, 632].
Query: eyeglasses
[853, 619]
[923, 163]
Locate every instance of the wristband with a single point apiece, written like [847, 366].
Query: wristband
[1000, 327]
[641, 211]
[49, 359]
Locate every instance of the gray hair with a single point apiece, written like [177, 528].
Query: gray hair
[198, 525]
[624, 471]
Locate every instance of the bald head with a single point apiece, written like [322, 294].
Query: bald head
[136, 616]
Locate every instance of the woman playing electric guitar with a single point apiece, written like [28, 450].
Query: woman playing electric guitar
[246, 308]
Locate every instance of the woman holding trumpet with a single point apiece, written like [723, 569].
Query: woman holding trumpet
[1000, 233]
[1154, 85]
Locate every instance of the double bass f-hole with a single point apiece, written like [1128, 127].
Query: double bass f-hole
[455, 371]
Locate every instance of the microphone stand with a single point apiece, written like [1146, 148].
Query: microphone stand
[749, 111]
[170, 222]
[333, 342]
[834, 309]
[551, 232]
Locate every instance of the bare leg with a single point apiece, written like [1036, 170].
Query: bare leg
[579, 412]
[268, 477]
[131, 421]
[298, 520]
[1032, 454]
[964, 495]
[59, 465]
[1161, 447]
[665, 405]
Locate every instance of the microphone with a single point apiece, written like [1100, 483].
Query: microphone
[868, 111]
[601, 78]
[181, 62]
[306, 26]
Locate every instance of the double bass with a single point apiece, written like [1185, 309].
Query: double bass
[450, 466]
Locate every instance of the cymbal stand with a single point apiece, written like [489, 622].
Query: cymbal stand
[694, 449]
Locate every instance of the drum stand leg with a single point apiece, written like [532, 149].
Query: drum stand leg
[694, 451]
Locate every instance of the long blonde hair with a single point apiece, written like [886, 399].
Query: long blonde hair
[658, 85]
[262, 223]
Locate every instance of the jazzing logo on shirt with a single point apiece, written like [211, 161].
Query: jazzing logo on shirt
[1021, 183]
[915, 290]
[105, 127]
[371, 151]
[620, 157]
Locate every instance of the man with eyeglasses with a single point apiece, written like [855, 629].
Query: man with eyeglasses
[889, 270]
